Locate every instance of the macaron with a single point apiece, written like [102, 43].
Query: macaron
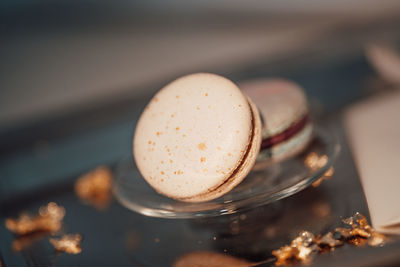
[198, 138]
[287, 128]
[210, 259]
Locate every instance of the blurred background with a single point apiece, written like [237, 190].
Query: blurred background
[57, 57]
[75, 76]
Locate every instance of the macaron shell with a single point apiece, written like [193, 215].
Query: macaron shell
[192, 135]
[281, 103]
[246, 165]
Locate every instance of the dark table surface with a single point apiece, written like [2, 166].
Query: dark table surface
[39, 163]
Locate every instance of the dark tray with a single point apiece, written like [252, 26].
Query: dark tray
[41, 161]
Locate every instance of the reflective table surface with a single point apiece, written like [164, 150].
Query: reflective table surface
[35, 167]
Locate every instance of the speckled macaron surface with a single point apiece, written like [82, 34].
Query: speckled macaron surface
[193, 136]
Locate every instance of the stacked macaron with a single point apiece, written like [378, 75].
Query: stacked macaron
[200, 135]
[287, 129]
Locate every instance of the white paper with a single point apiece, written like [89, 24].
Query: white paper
[373, 129]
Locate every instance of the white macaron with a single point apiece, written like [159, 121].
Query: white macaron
[197, 138]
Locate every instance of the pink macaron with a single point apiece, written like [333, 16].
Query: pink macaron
[287, 128]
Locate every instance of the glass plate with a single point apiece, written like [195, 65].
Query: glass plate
[260, 187]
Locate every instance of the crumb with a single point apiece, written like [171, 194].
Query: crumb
[94, 187]
[49, 220]
[306, 245]
[67, 243]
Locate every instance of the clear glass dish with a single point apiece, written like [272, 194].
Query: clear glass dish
[260, 187]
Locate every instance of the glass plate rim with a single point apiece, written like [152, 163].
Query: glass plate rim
[231, 206]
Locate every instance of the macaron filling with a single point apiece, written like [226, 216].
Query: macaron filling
[239, 167]
[295, 128]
